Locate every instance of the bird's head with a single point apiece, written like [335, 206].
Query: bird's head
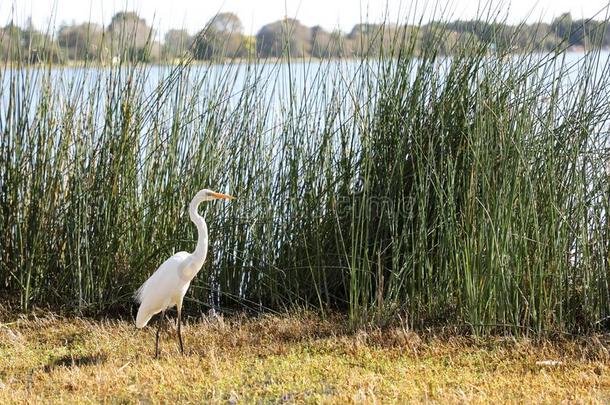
[209, 195]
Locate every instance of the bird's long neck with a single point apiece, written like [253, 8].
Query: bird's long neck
[201, 251]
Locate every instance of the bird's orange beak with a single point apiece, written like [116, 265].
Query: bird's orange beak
[223, 196]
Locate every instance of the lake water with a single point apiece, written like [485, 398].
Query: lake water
[276, 84]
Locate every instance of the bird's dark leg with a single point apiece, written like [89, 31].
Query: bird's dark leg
[179, 330]
[158, 332]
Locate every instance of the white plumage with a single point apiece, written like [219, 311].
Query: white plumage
[168, 284]
[164, 289]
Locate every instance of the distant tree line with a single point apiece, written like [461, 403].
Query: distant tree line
[129, 38]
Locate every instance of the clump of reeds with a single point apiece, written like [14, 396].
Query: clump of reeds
[467, 187]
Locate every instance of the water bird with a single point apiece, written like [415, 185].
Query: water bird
[166, 287]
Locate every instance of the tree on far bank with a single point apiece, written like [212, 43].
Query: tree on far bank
[280, 37]
[81, 42]
[375, 39]
[131, 38]
[329, 44]
[221, 37]
[28, 45]
[177, 43]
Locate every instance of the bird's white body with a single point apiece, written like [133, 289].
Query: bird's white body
[165, 288]
[168, 284]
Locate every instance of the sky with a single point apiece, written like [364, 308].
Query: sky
[330, 14]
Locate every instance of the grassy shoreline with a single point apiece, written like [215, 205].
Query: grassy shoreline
[243, 61]
[298, 358]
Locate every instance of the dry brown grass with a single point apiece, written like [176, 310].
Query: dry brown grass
[293, 359]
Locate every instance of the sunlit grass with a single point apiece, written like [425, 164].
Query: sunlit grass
[288, 358]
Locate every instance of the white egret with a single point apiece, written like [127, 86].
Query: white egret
[168, 284]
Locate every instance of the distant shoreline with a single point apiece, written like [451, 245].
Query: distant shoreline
[242, 61]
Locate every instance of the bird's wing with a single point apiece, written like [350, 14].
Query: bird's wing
[168, 268]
